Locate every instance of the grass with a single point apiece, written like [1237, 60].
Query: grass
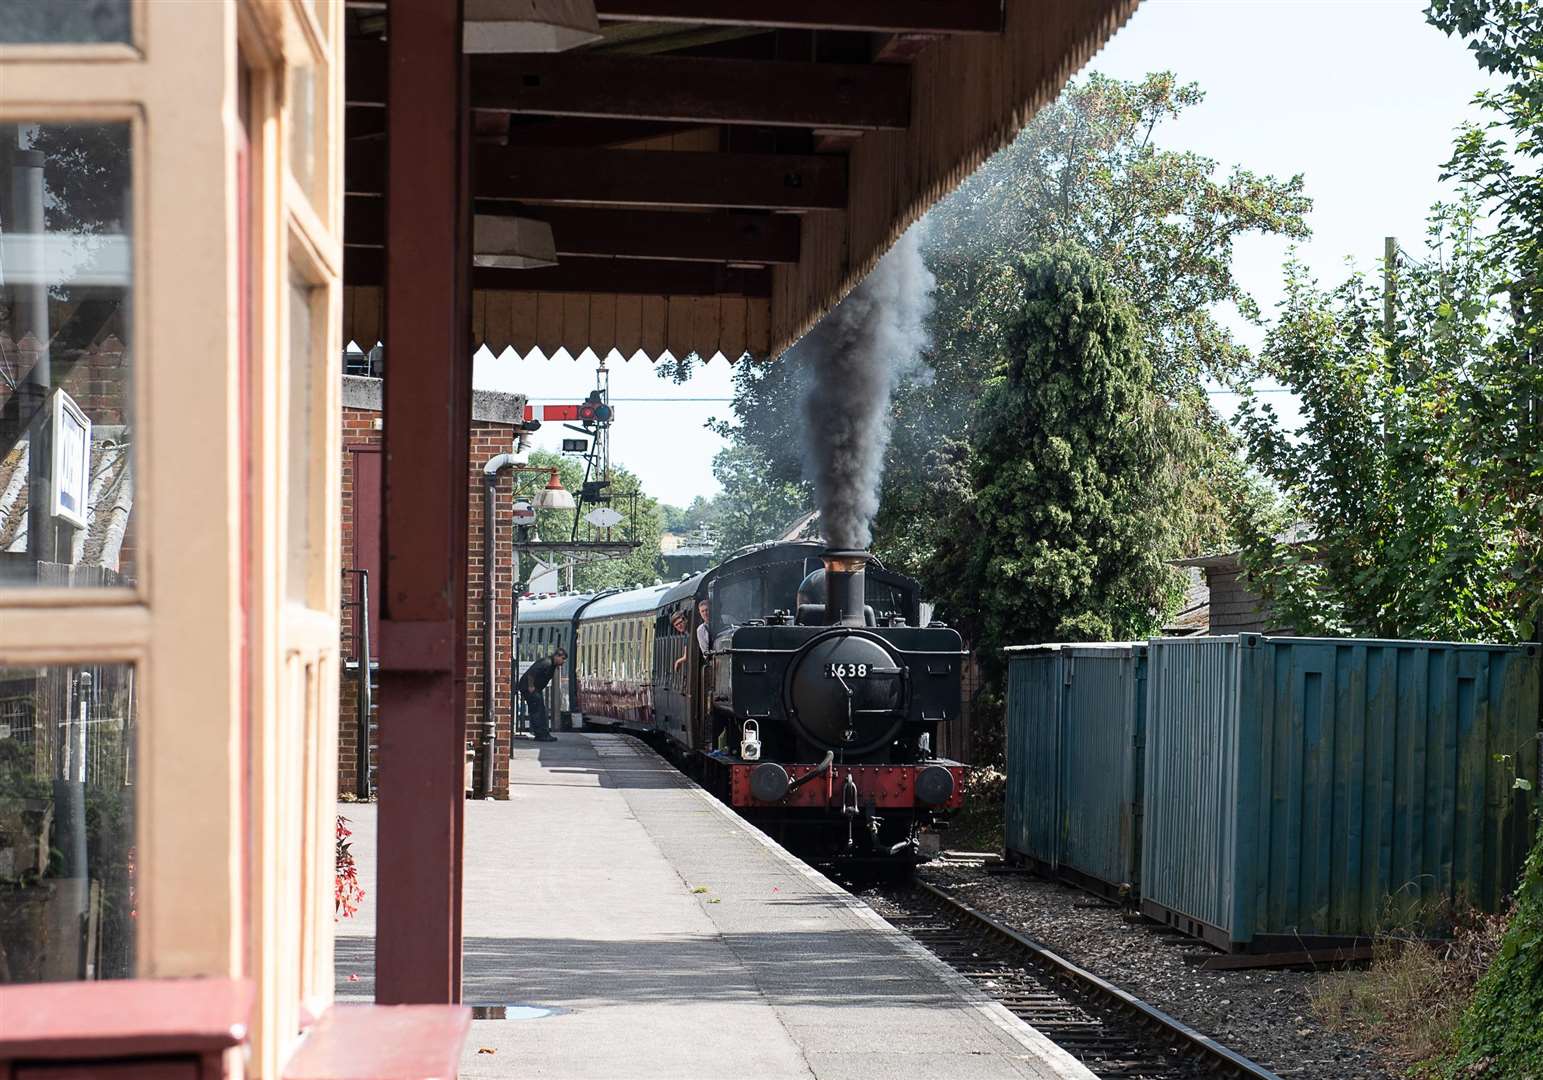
[1409, 1002]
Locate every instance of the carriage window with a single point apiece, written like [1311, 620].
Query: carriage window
[736, 600]
[782, 581]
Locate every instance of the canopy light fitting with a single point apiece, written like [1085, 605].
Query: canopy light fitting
[514, 243]
[529, 26]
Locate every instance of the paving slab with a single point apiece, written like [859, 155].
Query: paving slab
[669, 938]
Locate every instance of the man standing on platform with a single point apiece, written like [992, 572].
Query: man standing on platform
[532, 686]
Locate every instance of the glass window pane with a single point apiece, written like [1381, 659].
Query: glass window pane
[304, 431]
[66, 361]
[308, 103]
[48, 22]
[67, 823]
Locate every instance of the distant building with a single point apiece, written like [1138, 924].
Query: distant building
[1194, 614]
[1220, 598]
[804, 527]
[685, 554]
[1230, 605]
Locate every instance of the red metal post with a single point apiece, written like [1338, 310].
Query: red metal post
[423, 539]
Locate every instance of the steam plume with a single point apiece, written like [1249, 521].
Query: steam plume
[851, 362]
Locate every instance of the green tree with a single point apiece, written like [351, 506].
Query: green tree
[688, 519]
[1087, 170]
[1377, 471]
[755, 504]
[1499, 419]
[1070, 489]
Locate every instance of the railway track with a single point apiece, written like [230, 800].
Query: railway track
[1116, 1035]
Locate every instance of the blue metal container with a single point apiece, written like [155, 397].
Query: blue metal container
[1074, 730]
[1303, 790]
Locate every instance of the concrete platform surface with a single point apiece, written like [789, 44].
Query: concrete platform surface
[672, 940]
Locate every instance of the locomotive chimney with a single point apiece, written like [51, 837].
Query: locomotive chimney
[845, 586]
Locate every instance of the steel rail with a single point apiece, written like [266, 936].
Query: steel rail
[1217, 1059]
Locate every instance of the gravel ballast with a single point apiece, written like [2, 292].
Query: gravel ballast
[1264, 1015]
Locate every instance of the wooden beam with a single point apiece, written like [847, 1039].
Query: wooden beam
[724, 236]
[580, 274]
[882, 16]
[696, 90]
[777, 94]
[369, 122]
[663, 178]
[589, 132]
[634, 177]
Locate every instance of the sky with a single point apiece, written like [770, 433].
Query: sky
[1360, 96]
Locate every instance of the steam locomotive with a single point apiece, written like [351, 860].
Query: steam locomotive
[813, 710]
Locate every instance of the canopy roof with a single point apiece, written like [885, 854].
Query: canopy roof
[718, 173]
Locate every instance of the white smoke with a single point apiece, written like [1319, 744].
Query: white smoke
[851, 362]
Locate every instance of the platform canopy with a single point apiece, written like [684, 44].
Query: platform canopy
[716, 173]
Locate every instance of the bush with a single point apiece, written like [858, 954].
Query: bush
[1501, 1035]
[979, 826]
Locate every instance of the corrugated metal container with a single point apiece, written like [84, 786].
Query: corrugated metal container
[1302, 789]
[1074, 729]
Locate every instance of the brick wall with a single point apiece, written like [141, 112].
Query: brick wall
[488, 438]
[358, 431]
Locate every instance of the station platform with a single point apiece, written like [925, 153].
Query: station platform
[634, 927]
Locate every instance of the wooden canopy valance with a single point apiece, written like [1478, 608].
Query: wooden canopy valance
[627, 322]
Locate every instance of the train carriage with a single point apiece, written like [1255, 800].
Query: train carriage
[614, 667]
[546, 624]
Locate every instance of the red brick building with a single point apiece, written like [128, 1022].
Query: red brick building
[493, 431]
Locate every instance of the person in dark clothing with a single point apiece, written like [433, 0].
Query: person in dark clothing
[532, 687]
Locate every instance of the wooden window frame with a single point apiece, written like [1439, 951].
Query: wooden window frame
[228, 778]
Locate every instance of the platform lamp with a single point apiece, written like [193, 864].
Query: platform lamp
[554, 496]
[528, 26]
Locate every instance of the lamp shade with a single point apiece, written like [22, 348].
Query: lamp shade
[528, 26]
[554, 496]
[514, 243]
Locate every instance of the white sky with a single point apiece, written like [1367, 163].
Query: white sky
[1361, 96]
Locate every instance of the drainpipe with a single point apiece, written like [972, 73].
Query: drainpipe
[31, 312]
[490, 471]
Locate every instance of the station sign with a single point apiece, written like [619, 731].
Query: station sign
[71, 460]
